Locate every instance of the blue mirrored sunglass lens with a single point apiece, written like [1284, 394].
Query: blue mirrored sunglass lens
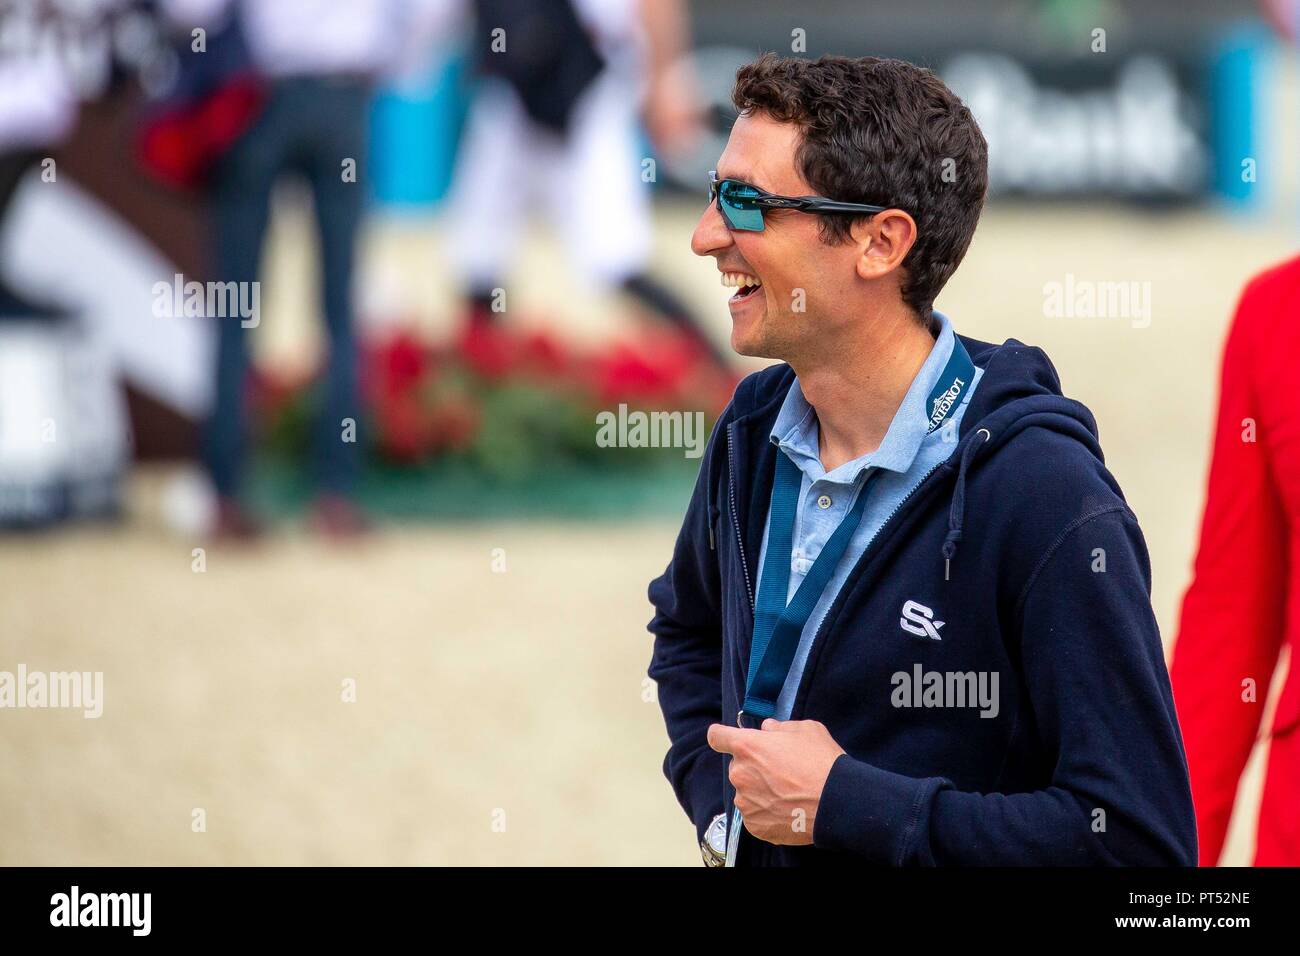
[736, 207]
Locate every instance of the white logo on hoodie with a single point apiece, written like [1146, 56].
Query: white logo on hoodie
[919, 620]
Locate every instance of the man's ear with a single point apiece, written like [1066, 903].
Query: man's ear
[884, 240]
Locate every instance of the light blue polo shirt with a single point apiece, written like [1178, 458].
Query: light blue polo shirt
[906, 455]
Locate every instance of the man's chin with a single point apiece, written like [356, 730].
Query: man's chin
[749, 342]
[741, 345]
[747, 337]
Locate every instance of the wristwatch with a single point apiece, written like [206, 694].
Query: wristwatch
[714, 845]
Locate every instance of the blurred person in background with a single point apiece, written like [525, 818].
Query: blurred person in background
[320, 59]
[61, 62]
[38, 107]
[561, 86]
[1243, 605]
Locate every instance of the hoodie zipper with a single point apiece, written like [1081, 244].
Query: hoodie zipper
[735, 520]
[733, 840]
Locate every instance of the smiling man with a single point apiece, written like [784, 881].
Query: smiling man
[907, 620]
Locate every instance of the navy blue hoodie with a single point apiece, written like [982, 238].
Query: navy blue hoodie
[1022, 543]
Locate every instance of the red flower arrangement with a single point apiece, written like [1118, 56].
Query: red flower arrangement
[510, 402]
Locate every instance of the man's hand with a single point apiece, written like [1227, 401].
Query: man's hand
[778, 772]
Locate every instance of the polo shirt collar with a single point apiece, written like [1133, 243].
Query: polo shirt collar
[796, 433]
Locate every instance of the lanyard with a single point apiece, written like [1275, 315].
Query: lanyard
[778, 626]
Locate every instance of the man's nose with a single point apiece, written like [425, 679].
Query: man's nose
[711, 234]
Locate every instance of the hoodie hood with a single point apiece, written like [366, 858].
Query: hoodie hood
[1020, 389]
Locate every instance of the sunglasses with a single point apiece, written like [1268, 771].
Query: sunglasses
[742, 204]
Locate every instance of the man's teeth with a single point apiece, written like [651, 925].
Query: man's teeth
[738, 279]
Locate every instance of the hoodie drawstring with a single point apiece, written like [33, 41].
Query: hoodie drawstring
[956, 513]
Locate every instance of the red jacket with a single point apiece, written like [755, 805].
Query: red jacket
[1244, 600]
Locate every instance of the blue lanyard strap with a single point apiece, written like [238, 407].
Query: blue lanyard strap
[778, 626]
[954, 382]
